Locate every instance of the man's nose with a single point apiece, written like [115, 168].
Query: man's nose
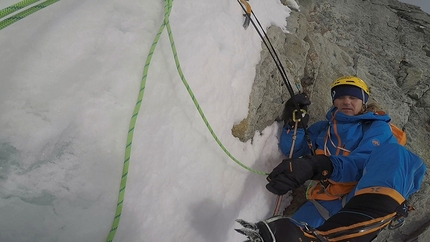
[347, 100]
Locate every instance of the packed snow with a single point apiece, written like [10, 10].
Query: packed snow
[71, 75]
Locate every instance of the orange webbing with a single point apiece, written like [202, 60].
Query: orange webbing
[384, 191]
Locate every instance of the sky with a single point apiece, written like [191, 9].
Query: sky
[71, 75]
[423, 4]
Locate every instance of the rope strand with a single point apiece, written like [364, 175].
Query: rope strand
[6, 22]
[166, 23]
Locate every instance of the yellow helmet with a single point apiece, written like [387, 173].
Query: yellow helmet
[351, 80]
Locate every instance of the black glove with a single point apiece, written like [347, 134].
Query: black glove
[292, 173]
[290, 106]
[278, 228]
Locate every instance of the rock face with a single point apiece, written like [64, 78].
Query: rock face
[384, 42]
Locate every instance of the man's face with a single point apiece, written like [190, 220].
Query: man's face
[348, 105]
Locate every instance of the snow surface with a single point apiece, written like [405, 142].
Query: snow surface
[70, 76]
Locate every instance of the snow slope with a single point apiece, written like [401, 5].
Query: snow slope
[70, 77]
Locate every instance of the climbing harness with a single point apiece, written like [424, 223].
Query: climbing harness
[391, 221]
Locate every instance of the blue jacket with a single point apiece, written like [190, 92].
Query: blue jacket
[368, 154]
[389, 166]
[348, 143]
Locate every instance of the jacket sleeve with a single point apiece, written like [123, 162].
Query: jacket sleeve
[350, 168]
[393, 166]
[301, 147]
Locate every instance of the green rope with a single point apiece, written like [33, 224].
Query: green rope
[16, 7]
[167, 9]
[6, 22]
[178, 66]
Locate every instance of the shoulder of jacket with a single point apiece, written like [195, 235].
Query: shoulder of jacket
[367, 124]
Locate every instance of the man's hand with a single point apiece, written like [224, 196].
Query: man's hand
[292, 173]
[291, 114]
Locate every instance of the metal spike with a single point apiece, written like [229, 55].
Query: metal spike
[253, 235]
[240, 231]
[247, 224]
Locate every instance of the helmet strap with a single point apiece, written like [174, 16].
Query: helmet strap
[364, 103]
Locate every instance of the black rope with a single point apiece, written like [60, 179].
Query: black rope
[274, 55]
[279, 65]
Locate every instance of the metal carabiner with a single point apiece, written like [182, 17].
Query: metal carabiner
[303, 113]
[396, 223]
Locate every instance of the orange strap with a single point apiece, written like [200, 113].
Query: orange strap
[247, 6]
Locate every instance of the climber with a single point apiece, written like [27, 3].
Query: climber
[361, 177]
